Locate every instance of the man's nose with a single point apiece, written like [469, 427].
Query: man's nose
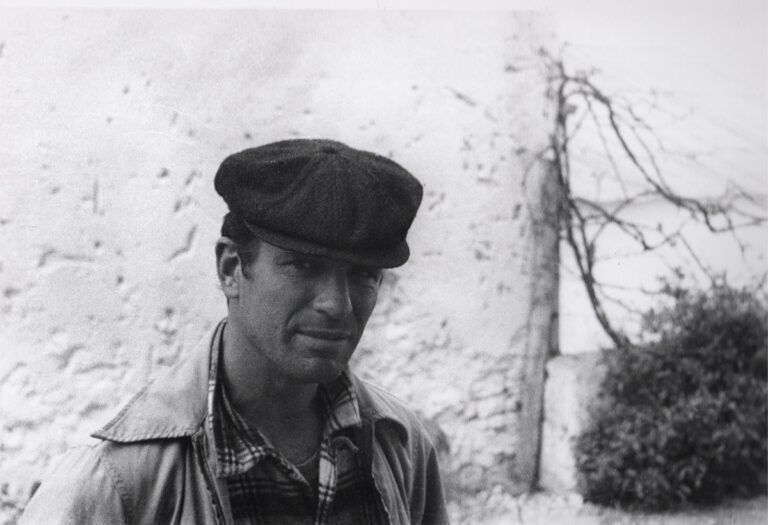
[333, 298]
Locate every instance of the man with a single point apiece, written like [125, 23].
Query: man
[264, 423]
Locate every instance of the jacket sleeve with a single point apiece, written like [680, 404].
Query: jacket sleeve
[81, 489]
[435, 511]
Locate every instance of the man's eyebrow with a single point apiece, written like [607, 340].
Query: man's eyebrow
[295, 254]
[291, 253]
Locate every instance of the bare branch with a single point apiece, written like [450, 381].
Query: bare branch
[629, 144]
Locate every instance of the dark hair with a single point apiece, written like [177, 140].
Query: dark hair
[234, 228]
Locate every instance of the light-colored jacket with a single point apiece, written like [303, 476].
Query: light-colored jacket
[155, 463]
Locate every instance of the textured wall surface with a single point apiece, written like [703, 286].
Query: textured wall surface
[113, 124]
[571, 388]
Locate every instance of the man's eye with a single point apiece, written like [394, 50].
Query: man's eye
[302, 264]
[368, 274]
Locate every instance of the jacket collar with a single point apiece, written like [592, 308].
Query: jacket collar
[175, 404]
[377, 405]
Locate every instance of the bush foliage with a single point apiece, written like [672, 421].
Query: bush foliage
[683, 419]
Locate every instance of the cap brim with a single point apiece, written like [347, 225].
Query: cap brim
[388, 258]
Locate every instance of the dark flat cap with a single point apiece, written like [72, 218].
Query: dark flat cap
[322, 197]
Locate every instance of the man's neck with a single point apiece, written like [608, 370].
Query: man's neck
[268, 401]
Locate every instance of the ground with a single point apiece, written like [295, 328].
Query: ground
[547, 509]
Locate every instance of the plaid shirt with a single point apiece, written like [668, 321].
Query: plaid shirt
[264, 487]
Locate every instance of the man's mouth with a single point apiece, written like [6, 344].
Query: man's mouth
[326, 334]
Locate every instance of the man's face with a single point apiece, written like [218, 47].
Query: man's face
[302, 316]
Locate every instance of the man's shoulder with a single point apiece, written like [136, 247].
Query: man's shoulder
[413, 466]
[377, 403]
[107, 479]
[80, 484]
[382, 402]
[123, 464]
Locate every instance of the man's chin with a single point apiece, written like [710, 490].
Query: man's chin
[321, 370]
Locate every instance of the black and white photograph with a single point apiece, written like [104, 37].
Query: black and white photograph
[384, 262]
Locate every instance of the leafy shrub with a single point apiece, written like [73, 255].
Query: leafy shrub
[683, 419]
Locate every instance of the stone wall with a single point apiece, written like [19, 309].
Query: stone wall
[113, 125]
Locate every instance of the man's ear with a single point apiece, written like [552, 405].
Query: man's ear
[228, 267]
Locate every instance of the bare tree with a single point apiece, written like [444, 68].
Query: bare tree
[630, 146]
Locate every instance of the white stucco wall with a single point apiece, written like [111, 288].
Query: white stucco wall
[570, 394]
[113, 124]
